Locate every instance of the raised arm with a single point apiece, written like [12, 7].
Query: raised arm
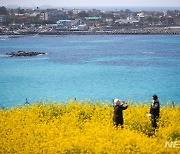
[124, 105]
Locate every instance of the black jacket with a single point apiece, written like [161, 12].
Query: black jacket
[118, 115]
[155, 108]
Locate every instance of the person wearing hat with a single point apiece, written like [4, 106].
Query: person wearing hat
[154, 110]
[118, 115]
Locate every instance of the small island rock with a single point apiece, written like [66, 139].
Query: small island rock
[24, 54]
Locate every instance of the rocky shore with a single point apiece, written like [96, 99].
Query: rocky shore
[103, 32]
[24, 54]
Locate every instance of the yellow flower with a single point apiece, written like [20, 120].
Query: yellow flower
[85, 127]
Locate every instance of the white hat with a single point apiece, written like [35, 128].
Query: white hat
[117, 101]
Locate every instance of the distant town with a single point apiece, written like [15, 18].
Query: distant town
[21, 21]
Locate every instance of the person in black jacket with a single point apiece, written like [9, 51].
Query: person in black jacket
[118, 115]
[154, 110]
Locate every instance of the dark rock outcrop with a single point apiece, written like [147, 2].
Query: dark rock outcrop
[24, 54]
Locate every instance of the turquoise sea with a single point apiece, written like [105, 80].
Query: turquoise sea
[95, 67]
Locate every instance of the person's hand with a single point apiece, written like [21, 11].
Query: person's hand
[149, 115]
[125, 104]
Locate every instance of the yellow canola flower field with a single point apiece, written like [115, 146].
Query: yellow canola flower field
[85, 127]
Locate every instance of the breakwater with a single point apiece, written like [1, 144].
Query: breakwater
[110, 32]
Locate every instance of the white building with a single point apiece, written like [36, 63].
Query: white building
[63, 24]
[83, 27]
[130, 20]
[3, 20]
[44, 16]
[76, 11]
[141, 17]
[54, 15]
[76, 22]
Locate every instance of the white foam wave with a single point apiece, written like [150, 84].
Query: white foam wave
[148, 52]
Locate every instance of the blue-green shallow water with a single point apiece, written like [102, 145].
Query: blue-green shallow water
[128, 67]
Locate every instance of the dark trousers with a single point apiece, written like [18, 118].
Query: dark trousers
[118, 121]
[154, 120]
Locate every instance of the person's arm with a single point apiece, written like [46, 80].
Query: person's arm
[155, 106]
[124, 106]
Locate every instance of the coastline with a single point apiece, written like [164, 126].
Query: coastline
[146, 31]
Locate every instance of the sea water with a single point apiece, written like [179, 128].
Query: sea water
[95, 67]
